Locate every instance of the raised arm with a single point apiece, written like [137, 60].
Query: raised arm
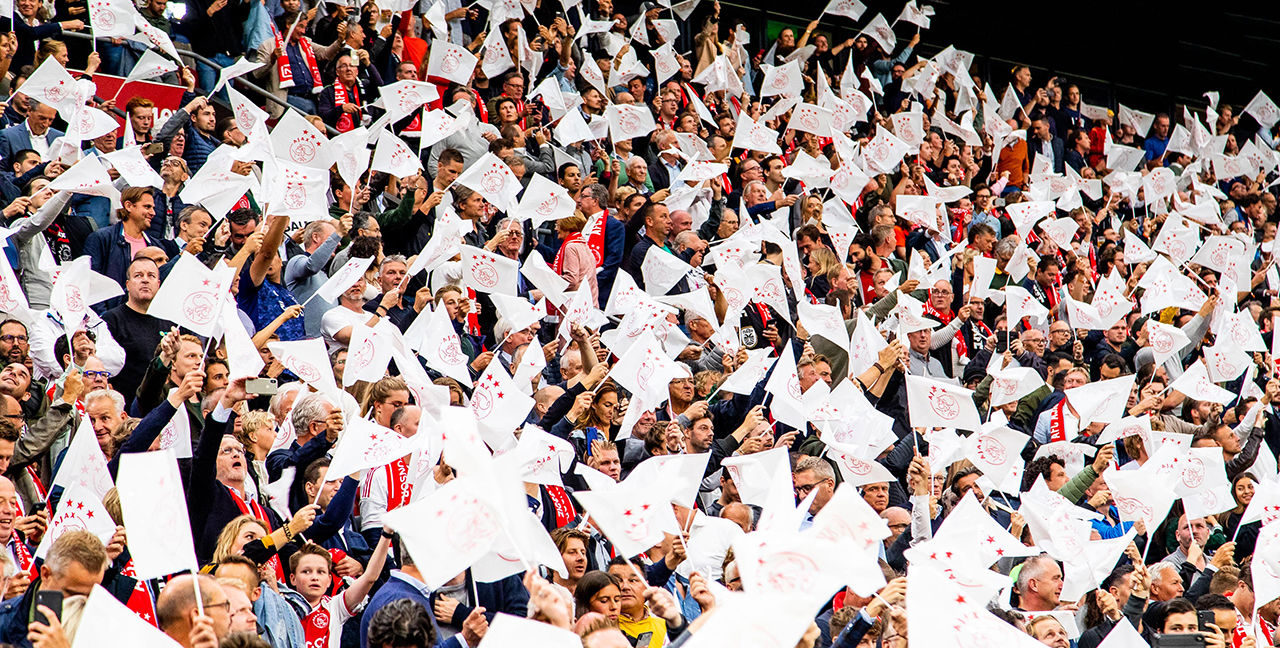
[270, 248]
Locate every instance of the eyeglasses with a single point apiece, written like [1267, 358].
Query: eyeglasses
[803, 489]
[231, 451]
[97, 374]
[13, 338]
[226, 604]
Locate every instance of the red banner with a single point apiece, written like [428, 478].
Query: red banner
[167, 98]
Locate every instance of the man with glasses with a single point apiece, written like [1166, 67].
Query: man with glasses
[513, 88]
[813, 474]
[14, 344]
[984, 211]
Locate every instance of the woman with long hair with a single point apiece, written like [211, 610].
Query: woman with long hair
[590, 410]
[1246, 536]
[599, 592]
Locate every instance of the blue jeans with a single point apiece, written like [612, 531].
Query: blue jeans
[207, 76]
[306, 104]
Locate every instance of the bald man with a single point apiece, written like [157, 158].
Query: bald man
[178, 616]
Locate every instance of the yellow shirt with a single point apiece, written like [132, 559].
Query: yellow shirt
[648, 632]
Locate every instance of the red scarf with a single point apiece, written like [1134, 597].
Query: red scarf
[558, 266]
[399, 489]
[141, 601]
[25, 562]
[345, 122]
[961, 346]
[1057, 422]
[563, 506]
[252, 507]
[285, 71]
[595, 239]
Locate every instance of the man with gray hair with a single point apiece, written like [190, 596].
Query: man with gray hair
[391, 275]
[105, 408]
[304, 273]
[76, 563]
[316, 424]
[1039, 584]
[593, 200]
[814, 475]
[35, 132]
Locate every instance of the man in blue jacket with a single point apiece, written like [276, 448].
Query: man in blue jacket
[406, 583]
[112, 249]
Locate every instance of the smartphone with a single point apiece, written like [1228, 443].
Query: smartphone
[51, 599]
[1205, 617]
[1192, 640]
[261, 386]
[1002, 341]
[37, 507]
[593, 435]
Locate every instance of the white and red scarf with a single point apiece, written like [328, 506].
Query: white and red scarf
[961, 346]
[252, 507]
[345, 122]
[285, 70]
[595, 239]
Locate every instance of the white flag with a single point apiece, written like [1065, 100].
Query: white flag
[785, 80]
[507, 630]
[995, 450]
[1166, 341]
[111, 18]
[488, 272]
[131, 166]
[87, 177]
[84, 466]
[1195, 383]
[451, 62]
[634, 520]
[786, 404]
[365, 444]
[308, 360]
[645, 370]
[851, 9]
[298, 141]
[243, 357]
[933, 403]
[544, 201]
[369, 351]
[449, 529]
[344, 278]
[155, 512]
[1009, 385]
[153, 35]
[192, 296]
[78, 510]
[105, 616]
[1141, 494]
[403, 98]
[1103, 401]
[880, 31]
[441, 347]
[494, 180]
[754, 135]
[299, 192]
[150, 66]
[517, 311]
[627, 121]
[395, 157]
[176, 434]
[500, 407]
[51, 85]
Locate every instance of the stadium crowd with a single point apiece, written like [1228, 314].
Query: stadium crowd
[625, 327]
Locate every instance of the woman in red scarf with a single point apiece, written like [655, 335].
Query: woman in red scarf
[575, 262]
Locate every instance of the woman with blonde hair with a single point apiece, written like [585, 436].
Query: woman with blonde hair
[824, 266]
[247, 536]
[574, 261]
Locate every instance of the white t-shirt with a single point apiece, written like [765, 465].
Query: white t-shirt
[338, 318]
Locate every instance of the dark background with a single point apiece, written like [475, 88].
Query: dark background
[1150, 56]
